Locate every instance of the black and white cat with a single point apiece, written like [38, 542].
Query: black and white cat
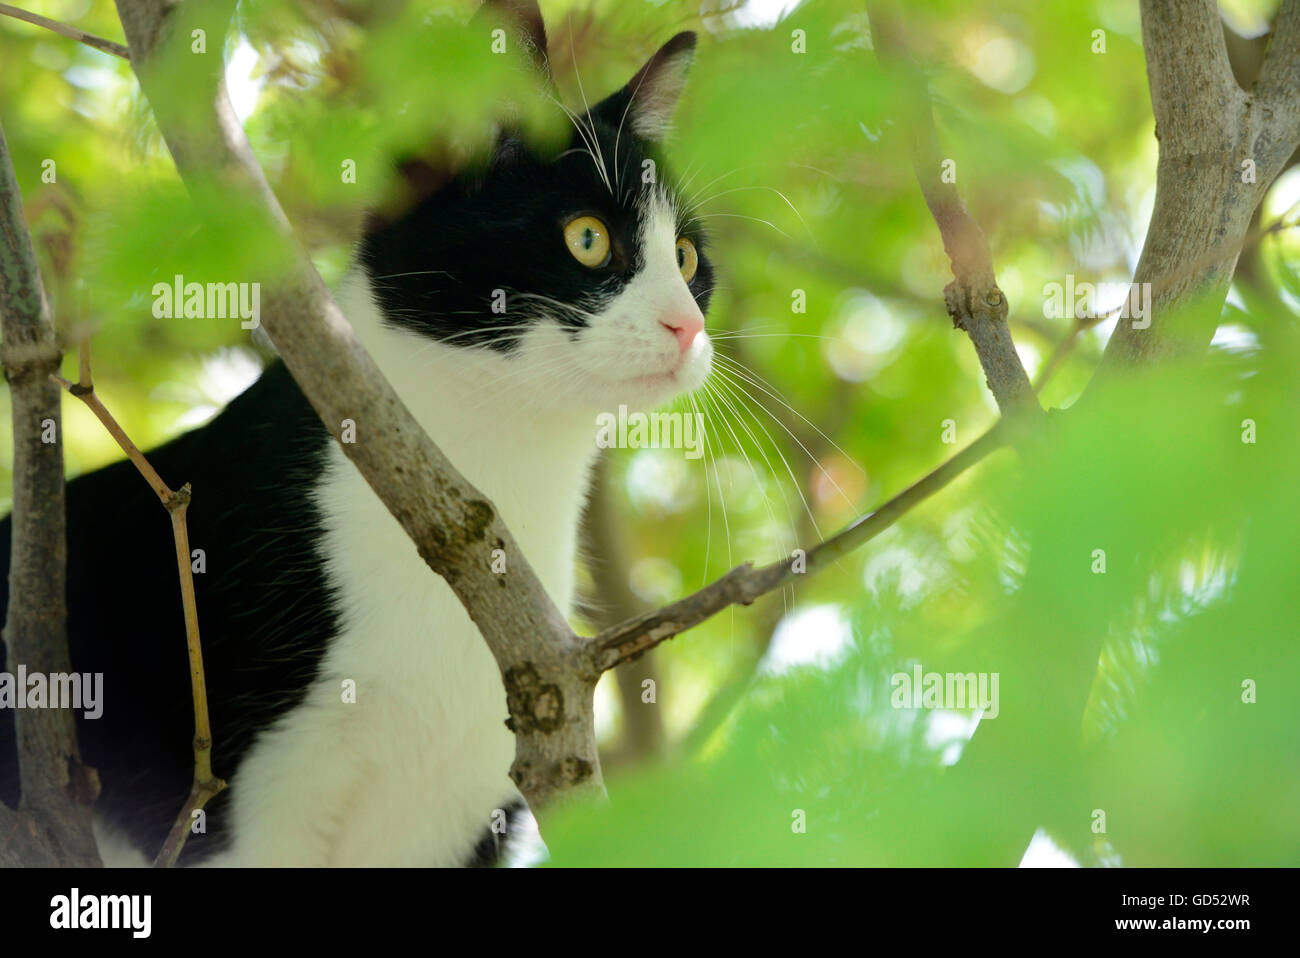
[310, 582]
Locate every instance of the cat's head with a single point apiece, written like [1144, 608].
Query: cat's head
[577, 269]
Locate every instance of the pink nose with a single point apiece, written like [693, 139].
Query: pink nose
[685, 328]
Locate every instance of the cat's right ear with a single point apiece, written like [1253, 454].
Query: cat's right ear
[524, 19]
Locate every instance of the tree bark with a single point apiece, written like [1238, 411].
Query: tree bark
[52, 823]
[1220, 149]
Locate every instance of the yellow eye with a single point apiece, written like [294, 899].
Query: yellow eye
[588, 241]
[688, 261]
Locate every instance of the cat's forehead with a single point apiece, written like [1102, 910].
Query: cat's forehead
[614, 167]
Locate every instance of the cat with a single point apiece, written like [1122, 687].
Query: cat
[310, 583]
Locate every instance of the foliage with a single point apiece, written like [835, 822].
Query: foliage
[800, 165]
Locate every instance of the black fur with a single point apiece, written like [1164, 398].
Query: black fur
[265, 614]
[490, 847]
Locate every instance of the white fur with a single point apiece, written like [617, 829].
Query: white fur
[411, 773]
[656, 97]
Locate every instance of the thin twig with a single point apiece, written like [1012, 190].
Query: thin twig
[206, 784]
[64, 30]
[86, 393]
[1065, 347]
[743, 584]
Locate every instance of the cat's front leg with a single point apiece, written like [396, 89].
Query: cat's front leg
[293, 795]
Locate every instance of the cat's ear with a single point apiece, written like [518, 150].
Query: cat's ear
[646, 104]
[417, 177]
[524, 18]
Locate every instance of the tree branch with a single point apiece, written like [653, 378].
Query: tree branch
[743, 584]
[1278, 88]
[973, 298]
[1220, 150]
[206, 785]
[52, 824]
[64, 30]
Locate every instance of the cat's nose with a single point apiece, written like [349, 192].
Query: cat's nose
[685, 328]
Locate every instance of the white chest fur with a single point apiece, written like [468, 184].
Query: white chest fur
[411, 772]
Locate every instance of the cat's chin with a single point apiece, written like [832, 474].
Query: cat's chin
[654, 389]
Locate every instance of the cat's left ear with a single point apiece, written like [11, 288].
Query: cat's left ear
[646, 104]
[524, 18]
